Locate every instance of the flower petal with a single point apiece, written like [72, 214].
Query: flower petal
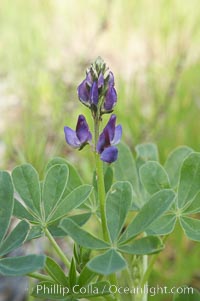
[71, 137]
[101, 143]
[110, 127]
[94, 96]
[83, 93]
[109, 154]
[100, 80]
[110, 99]
[111, 81]
[82, 130]
[118, 135]
[89, 79]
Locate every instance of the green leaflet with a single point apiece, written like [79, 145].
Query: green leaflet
[82, 237]
[55, 271]
[15, 238]
[154, 177]
[74, 179]
[189, 179]
[6, 202]
[118, 202]
[193, 206]
[16, 266]
[191, 227]
[158, 204]
[146, 152]
[107, 263]
[125, 170]
[163, 225]
[53, 187]
[73, 200]
[143, 246]
[174, 162]
[72, 274]
[26, 182]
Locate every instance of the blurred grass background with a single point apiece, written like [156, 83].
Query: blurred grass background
[153, 48]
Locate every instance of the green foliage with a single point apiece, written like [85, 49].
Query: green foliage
[142, 246]
[174, 162]
[107, 263]
[55, 271]
[82, 237]
[158, 204]
[47, 206]
[16, 266]
[6, 202]
[154, 177]
[118, 204]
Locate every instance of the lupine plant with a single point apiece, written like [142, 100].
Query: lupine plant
[110, 226]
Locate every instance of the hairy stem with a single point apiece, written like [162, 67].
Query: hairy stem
[57, 248]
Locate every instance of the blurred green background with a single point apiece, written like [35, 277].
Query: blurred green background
[153, 48]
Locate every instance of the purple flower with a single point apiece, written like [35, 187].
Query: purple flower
[110, 136]
[98, 84]
[80, 137]
[110, 96]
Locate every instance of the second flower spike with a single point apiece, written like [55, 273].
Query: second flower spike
[81, 136]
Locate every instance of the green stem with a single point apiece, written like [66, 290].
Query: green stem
[39, 276]
[100, 181]
[101, 195]
[57, 248]
[150, 266]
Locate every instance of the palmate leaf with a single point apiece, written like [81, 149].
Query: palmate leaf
[153, 177]
[17, 266]
[143, 246]
[6, 202]
[118, 203]
[158, 204]
[107, 263]
[55, 198]
[174, 162]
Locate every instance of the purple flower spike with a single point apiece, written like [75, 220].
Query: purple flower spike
[110, 136]
[97, 90]
[80, 137]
